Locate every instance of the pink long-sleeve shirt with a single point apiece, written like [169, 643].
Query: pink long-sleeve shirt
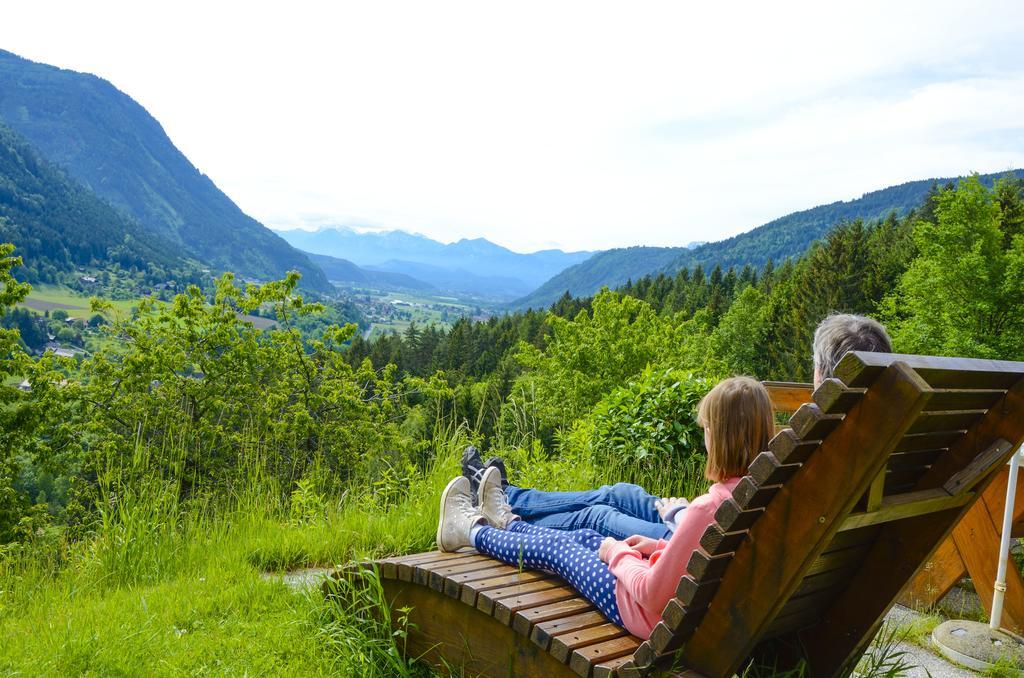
[645, 585]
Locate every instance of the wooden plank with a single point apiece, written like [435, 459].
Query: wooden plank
[695, 595]
[526, 618]
[939, 440]
[443, 632]
[487, 601]
[859, 368]
[964, 399]
[875, 492]
[977, 540]
[584, 658]
[913, 460]
[701, 566]
[834, 397]
[767, 470]
[749, 495]
[810, 423]
[405, 569]
[731, 518]
[562, 645]
[930, 422]
[903, 546]
[936, 578]
[433, 574]
[543, 632]
[609, 668]
[505, 608]
[970, 475]
[469, 590]
[788, 396]
[800, 521]
[907, 505]
[716, 542]
[789, 449]
[453, 584]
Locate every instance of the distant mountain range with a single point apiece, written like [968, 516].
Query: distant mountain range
[788, 236]
[345, 272]
[475, 266]
[108, 143]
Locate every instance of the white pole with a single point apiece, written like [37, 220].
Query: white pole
[1004, 543]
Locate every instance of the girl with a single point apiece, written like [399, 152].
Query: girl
[630, 581]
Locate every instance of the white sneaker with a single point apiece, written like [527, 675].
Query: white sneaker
[458, 516]
[493, 501]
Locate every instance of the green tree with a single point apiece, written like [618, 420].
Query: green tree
[964, 294]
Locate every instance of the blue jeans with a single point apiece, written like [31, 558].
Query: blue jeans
[620, 510]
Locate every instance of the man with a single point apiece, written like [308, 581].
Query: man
[624, 509]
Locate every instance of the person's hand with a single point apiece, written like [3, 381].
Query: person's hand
[668, 503]
[604, 551]
[645, 545]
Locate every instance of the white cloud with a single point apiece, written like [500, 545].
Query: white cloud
[584, 124]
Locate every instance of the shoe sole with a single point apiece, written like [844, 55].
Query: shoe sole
[440, 521]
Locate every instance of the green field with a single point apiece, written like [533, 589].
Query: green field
[44, 298]
[387, 310]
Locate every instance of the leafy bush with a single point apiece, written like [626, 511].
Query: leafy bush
[646, 432]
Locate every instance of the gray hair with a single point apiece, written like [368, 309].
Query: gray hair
[840, 333]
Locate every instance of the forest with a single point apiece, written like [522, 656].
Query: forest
[146, 490]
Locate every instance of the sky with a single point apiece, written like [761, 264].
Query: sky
[579, 125]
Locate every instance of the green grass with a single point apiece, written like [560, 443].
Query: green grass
[54, 294]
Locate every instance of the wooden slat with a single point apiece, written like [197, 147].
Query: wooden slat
[454, 583]
[800, 521]
[584, 658]
[929, 422]
[695, 594]
[939, 440]
[789, 449]
[731, 518]
[913, 460]
[903, 546]
[859, 368]
[875, 492]
[767, 470]
[964, 399]
[405, 567]
[469, 590]
[716, 542]
[609, 668]
[526, 618]
[433, 574]
[702, 566]
[749, 495]
[788, 396]
[810, 423]
[489, 601]
[505, 608]
[907, 505]
[980, 466]
[562, 645]
[544, 631]
[834, 397]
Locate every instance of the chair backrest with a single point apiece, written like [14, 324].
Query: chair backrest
[840, 512]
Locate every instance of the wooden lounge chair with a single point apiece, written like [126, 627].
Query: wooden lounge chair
[803, 561]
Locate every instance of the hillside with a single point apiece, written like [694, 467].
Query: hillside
[344, 271]
[112, 145]
[57, 224]
[445, 262]
[787, 236]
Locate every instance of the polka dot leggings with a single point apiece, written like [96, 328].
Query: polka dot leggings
[572, 555]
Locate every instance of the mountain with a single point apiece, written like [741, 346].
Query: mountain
[109, 143]
[344, 271]
[787, 236]
[458, 280]
[475, 257]
[56, 224]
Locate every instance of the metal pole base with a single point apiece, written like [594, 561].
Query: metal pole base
[976, 646]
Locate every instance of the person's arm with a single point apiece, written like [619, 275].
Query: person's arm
[652, 584]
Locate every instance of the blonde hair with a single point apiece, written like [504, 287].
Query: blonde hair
[738, 414]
